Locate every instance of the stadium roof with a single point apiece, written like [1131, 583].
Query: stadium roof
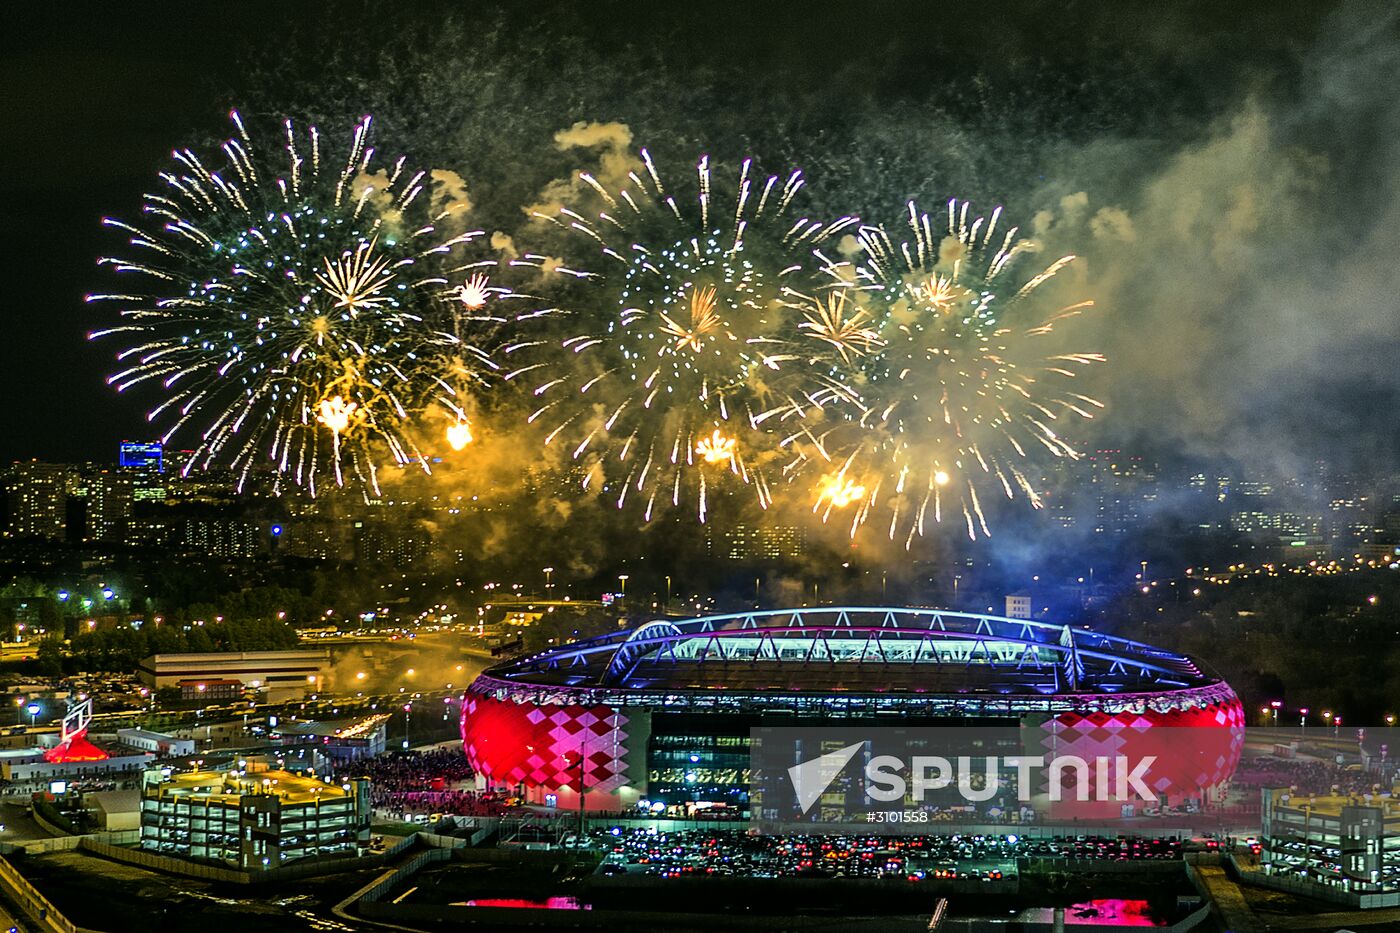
[890, 652]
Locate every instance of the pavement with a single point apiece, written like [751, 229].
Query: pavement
[1229, 900]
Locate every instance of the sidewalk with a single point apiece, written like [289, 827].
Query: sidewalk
[1225, 895]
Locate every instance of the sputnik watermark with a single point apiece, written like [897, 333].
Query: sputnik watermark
[890, 778]
[1037, 772]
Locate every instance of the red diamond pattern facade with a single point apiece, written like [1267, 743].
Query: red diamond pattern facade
[1196, 749]
[539, 746]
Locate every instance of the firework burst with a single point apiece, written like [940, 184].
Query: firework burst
[689, 349]
[287, 306]
[957, 387]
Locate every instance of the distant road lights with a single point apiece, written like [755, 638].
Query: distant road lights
[33, 709]
[1390, 719]
[63, 596]
[108, 593]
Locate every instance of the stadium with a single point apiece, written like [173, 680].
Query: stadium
[661, 714]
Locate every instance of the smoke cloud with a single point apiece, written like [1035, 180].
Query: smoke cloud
[610, 154]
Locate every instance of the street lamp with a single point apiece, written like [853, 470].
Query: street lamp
[1303, 718]
[548, 575]
[622, 579]
[33, 710]
[667, 605]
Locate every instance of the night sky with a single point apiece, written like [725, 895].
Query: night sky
[1111, 95]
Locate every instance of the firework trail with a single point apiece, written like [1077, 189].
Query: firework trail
[689, 351]
[945, 342]
[289, 307]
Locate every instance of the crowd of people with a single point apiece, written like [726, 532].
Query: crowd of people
[733, 852]
[1308, 776]
[427, 782]
[444, 802]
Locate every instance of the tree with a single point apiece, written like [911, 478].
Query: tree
[51, 656]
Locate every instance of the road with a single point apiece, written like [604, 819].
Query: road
[19, 825]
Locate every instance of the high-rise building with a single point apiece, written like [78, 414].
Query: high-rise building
[108, 496]
[1259, 508]
[397, 544]
[742, 541]
[221, 536]
[37, 499]
[313, 539]
[132, 455]
[1123, 487]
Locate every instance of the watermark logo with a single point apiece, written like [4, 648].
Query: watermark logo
[980, 775]
[889, 778]
[810, 779]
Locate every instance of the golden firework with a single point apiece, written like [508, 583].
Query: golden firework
[459, 435]
[716, 448]
[850, 334]
[704, 319]
[839, 491]
[942, 292]
[357, 280]
[335, 413]
[473, 292]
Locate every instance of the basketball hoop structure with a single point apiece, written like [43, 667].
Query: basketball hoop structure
[73, 744]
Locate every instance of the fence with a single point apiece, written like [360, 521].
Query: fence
[68, 843]
[1319, 890]
[34, 905]
[303, 869]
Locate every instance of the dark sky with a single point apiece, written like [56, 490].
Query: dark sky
[96, 97]
[93, 101]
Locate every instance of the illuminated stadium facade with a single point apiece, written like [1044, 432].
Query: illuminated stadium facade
[663, 712]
